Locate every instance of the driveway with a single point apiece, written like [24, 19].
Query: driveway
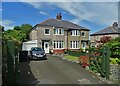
[54, 70]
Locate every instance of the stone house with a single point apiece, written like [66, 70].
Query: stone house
[112, 31]
[59, 35]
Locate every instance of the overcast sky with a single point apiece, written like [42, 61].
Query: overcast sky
[92, 15]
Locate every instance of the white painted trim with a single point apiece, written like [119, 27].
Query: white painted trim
[46, 51]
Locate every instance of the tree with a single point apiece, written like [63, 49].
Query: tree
[26, 28]
[114, 45]
[19, 33]
[2, 28]
[105, 39]
[17, 28]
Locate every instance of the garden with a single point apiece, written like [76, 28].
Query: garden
[75, 56]
[101, 57]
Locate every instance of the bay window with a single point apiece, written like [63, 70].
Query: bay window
[58, 44]
[74, 33]
[74, 44]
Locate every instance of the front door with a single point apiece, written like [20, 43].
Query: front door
[83, 45]
[46, 47]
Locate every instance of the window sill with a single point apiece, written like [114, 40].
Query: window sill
[58, 34]
[46, 34]
[74, 48]
[74, 35]
[58, 48]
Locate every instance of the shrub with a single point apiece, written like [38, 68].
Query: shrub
[114, 45]
[114, 61]
[65, 52]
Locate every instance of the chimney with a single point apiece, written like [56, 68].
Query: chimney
[115, 24]
[59, 16]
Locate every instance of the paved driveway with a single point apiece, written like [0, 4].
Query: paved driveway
[54, 70]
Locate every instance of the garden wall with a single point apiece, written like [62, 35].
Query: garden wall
[114, 72]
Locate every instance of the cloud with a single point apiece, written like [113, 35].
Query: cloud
[43, 13]
[34, 4]
[8, 24]
[102, 14]
[60, 0]
[99, 12]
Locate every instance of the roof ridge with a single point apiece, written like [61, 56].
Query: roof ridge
[45, 21]
[61, 23]
[113, 29]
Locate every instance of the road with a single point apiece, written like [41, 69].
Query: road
[54, 70]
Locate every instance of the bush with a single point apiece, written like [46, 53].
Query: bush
[65, 52]
[114, 45]
[75, 53]
[114, 61]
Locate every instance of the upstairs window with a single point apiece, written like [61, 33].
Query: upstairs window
[74, 33]
[59, 31]
[47, 32]
[83, 34]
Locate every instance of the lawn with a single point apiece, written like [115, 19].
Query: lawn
[73, 56]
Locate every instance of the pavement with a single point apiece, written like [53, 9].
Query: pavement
[54, 70]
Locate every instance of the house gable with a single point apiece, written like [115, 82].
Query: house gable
[114, 29]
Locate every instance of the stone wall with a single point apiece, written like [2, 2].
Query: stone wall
[114, 72]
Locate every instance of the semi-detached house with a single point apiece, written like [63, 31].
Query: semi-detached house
[59, 35]
[112, 31]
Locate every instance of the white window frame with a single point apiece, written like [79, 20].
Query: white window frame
[74, 45]
[75, 33]
[57, 44]
[45, 33]
[57, 31]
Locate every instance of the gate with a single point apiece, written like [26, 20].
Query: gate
[100, 59]
[9, 62]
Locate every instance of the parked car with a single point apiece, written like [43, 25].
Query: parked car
[37, 53]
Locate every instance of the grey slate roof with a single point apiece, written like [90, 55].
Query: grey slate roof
[108, 30]
[61, 24]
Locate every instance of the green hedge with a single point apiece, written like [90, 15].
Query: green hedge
[75, 53]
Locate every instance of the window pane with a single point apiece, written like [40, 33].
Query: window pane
[73, 44]
[60, 31]
[62, 44]
[54, 31]
[54, 44]
[46, 31]
[83, 34]
[70, 44]
[77, 44]
[57, 45]
[57, 31]
[77, 32]
[70, 32]
[74, 32]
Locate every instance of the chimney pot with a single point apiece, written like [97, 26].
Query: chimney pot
[59, 16]
[115, 24]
